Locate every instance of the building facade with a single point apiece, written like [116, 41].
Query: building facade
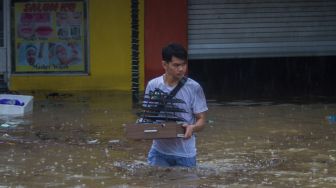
[96, 36]
[118, 43]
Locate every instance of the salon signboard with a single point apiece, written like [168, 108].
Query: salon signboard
[49, 37]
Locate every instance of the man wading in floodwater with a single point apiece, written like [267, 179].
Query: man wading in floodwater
[178, 151]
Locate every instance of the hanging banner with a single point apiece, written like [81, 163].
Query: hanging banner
[50, 37]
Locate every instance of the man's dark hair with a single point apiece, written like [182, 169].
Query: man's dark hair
[174, 49]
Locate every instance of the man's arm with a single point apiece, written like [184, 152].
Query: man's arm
[198, 126]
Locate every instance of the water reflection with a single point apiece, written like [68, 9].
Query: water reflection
[77, 140]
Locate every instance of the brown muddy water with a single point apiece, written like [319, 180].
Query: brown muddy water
[77, 140]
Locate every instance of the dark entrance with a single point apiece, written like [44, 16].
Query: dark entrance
[266, 78]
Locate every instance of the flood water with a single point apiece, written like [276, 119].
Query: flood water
[77, 140]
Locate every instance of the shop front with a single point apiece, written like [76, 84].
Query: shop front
[68, 45]
[256, 49]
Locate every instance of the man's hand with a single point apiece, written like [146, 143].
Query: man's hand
[189, 129]
[199, 124]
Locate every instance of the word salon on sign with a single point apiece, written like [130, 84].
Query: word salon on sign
[47, 7]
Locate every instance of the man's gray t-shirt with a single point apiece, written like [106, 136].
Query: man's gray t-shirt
[192, 94]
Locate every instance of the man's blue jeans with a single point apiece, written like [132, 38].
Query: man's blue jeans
[156, 158]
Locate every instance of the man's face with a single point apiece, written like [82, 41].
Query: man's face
[176, 68]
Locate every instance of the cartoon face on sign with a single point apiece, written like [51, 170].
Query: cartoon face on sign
[31, 53]
[65, 54]
[62, 55]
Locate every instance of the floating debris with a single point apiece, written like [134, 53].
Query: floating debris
[12, 123]
[93, 141]
[5, 125]
[211, 121]
[114, 142]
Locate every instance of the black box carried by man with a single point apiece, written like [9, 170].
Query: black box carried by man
[154, 131]
[158, 118]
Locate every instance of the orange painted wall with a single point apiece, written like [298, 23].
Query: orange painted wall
[165, 21]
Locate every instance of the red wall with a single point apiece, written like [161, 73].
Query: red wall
[165, 21]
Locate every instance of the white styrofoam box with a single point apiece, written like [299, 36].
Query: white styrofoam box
[6, 109]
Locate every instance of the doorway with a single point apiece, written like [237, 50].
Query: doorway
[266, 78]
